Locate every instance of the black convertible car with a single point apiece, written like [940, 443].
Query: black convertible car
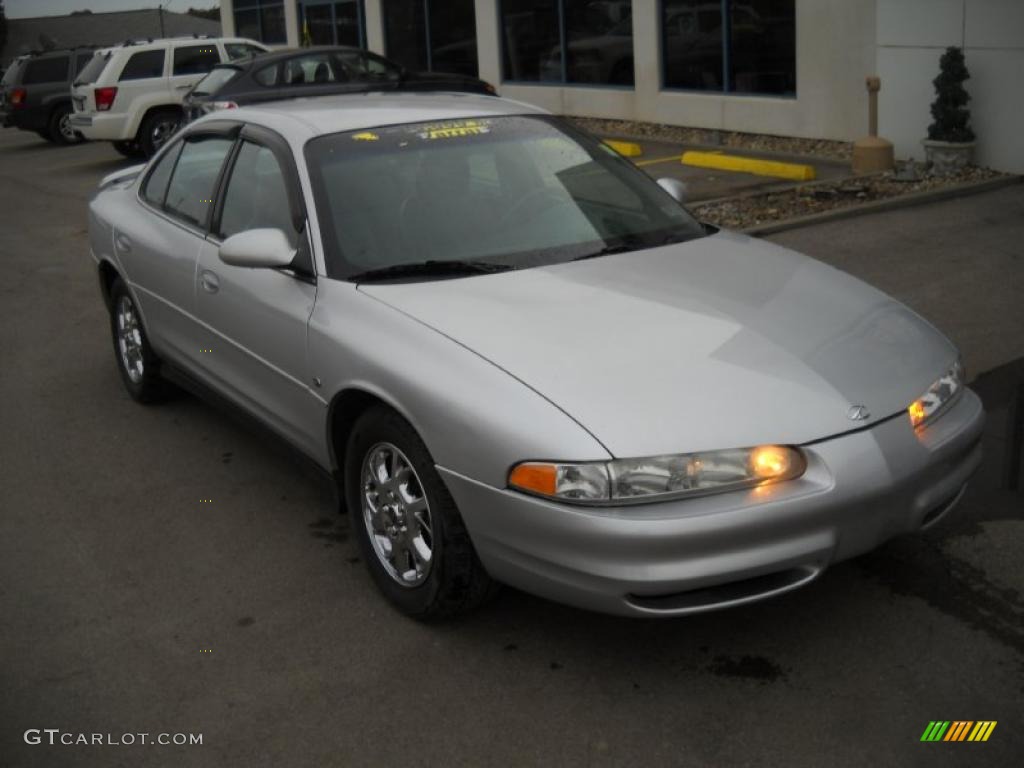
[314, 72]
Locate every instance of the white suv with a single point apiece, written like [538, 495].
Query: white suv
[132, 94]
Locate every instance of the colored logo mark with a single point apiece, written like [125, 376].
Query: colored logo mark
[958, 730]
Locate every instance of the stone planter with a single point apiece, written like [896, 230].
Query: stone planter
[948, 157]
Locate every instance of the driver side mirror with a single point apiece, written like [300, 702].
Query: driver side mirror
[674, 187]
[255, 248]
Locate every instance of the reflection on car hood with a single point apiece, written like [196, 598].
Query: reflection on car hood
[716, 343]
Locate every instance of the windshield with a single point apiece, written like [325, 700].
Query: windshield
[91, 71]
[217, 78]
[513, 191]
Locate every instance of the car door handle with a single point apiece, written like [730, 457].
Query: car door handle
[122, 244]
[209, 281]
[183, 87]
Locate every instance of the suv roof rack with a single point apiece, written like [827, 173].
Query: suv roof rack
[66, 49]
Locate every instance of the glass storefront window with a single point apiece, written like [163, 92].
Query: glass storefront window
[531, 40]
[405, 33]
[453, 37]
[331, 22]
[599, 42]
[261, 20]
[434, 35]
[729, 46]
[568, 41]
[762, 52]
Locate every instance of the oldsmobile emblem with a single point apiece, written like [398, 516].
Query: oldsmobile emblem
[858, 413]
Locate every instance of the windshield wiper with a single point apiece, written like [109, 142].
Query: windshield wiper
[430, 268]
[632, 243]
[608, 250]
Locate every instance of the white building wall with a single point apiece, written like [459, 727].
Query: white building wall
[913, 34]
[835, 52]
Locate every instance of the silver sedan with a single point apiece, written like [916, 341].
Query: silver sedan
[523, 361]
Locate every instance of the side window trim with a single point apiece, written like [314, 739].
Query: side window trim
[222, 128]
[173, 147]
[268, 139]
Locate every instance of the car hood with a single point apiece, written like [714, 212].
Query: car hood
[720, 342]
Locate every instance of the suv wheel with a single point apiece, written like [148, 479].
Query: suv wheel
[59, 127]
[138, 364]
[409, 529]
[156, 129]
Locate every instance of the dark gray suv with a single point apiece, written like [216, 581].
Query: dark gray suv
[35, 94]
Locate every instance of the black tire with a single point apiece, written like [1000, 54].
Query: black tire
[144, 383]
[58, 132]
[157, 128]
[456, 582]
[128, 148]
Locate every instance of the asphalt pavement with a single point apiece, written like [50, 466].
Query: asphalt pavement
[128, 605]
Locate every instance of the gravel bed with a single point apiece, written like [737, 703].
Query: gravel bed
[768, 207]
[821, 148]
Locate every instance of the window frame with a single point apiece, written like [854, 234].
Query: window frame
[428, 48]
[214, 49]
[218, 128]
[563, 41]
[259, 6]
[132, 54]
[41, 61]
[727, 85]
[300, 9]
[302, 267]
[175, 147]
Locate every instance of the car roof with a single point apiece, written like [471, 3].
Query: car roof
[301, 119]
[145, 44]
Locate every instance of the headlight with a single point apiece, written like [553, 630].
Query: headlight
[939, 395]
[656, 478]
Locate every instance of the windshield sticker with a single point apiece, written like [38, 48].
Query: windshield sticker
[365, 136]
[454, 130]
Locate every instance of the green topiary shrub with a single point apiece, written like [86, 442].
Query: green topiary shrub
[949, 110]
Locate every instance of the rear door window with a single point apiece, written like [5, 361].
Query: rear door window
[143, 65]
[268, 75]
[53, 69]
[312, 69]
[241, 50]
[190, 193]
[195, 59]
[155, 189]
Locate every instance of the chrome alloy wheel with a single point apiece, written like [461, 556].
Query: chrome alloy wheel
[397, 515]
[129, 339]
[66, 130]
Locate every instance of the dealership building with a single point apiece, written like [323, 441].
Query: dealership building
[784, 67]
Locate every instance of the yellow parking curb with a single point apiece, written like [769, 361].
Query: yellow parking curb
[794, 171]
[625, 148]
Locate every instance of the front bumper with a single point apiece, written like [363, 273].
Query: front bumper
[680, 557]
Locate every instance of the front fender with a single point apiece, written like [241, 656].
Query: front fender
[474, 418]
